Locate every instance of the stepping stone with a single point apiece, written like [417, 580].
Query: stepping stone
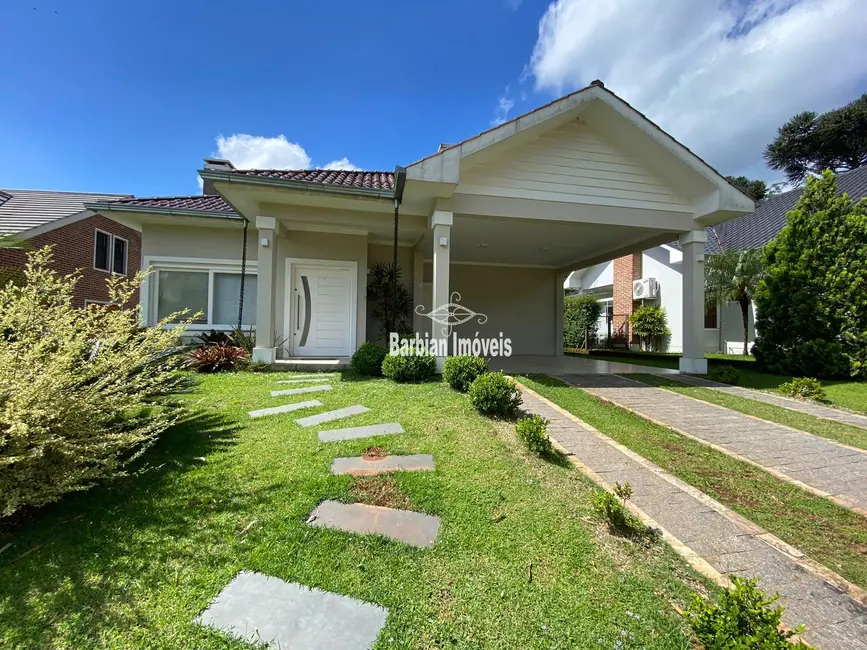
[286, 408]
[299, 391]
[328, 416]
[264, 610]
[303, 380]
[365, 466]
[412, 528]
[309, 376]
[351, 433]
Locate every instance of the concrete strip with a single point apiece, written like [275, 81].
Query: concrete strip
[732, 435]
[299, 391]
[316, 375]
[411, 528]
[303, 380]
[358, 466]
[286, 408]
[707, 533]
[351, 433]
[328, 416]
[264, 610]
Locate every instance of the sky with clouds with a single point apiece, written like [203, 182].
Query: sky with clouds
[143, 91]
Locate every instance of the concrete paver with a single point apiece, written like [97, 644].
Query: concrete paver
[329, 416]
[285, 408]
[405, 526]
[300, 391]
[351, 433]
[359, 466]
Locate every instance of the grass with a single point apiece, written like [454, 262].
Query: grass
[828, 533]
[131, 564]
[847, 434]
[845, 394]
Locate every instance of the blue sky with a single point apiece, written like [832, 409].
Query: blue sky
[128, 97]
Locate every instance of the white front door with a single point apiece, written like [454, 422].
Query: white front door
[321, 311]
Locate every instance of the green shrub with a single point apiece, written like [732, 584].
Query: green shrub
[725, 374]
[460, 372]
[811, 319]
[82, 391]
[260, 366]
[531, 431]
[244, 339]
[495, 394]
[218, 357]
[415, 366]
[614, 512]
[368, 359]
[805, 388]
[650, 325]
[580, 316]
[743, 620]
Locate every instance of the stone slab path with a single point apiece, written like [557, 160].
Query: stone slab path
[303, 380]
[351, 433]
[285, 408]
[714, 536]
[300, 391]
[329, 416]
[265, 610]
[405, 526]
[810, 408]
[324, 376]
[359, 466]
[818, 465]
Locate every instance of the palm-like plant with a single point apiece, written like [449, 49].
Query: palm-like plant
[732, 276]
[392, 301]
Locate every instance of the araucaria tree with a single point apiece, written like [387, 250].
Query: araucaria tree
[812, 301]
[810, 143]
[82, 391]
[733, 276]
[755, 189]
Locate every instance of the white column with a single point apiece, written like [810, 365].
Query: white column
[441, 225]
[417, 289]
[559, 308]
[693, 360]
[265, 350]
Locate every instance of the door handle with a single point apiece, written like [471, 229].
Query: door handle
[297, 313]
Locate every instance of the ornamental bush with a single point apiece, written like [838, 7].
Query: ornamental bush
[413, 366]
[650, 325]
[82, 391]
[743, 619]
[495, 394]
[461, 371]
[805, 388]
[218, 357]
[368, 359]
[532, 432]
[811, 305]
[725, 374]
[580, 315]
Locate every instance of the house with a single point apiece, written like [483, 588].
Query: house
[83, 240]
[487, 230]
[662, 266]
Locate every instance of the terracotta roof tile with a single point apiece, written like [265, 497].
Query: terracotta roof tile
[341, 177]
[201, 202]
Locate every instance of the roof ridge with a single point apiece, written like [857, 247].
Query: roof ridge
[133, 197]
[8, 190]
[317, 169]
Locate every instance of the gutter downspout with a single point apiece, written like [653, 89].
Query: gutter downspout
[399, 183]
[243, 275]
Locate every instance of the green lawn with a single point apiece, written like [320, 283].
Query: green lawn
[130, 565]
[843, 394]
[828, 533]
[847, 434]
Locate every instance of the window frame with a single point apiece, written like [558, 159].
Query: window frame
[125, 241]
[110, 252]
[150, 288]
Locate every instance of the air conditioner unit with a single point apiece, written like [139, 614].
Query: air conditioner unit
[645, 289]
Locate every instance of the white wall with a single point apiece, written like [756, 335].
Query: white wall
[600, 275]
[732, 324]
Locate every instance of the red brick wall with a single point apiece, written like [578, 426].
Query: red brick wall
[73, 249]
[626, 269]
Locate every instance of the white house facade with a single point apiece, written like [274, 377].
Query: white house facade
[501, 219]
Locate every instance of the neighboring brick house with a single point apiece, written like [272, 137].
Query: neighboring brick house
[81, 239]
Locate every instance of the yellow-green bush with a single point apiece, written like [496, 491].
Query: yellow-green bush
[80, 389]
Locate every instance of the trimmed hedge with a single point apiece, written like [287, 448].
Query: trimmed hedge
[460, 372]
[368, 359]
[495, 394]
[414, 366]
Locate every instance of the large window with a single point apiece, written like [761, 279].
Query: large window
[211, 294]
[109, 252]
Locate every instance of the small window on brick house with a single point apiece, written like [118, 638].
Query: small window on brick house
[101, 259]
[710, 317]
[119, 260]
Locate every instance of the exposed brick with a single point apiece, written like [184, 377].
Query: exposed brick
[73, 250]
[626, 270]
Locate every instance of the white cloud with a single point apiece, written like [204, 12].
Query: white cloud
[343, 163]
[258, 152]
[504, 105]
[719, 75]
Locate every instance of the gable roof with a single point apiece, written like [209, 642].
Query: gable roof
[22, 210]
[369, 180]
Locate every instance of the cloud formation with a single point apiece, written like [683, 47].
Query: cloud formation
[259, 152]
[720, 76]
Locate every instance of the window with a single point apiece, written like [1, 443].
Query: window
[710, 321]
[211, 294]
[109, 253]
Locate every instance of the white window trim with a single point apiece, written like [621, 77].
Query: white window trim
[125, 254]
[149, 292]
[110, 252]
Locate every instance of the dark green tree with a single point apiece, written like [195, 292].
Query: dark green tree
[812, 301]
[580, 319]
[755, 189]
[809, 143]
[391, 300]
[733, 276]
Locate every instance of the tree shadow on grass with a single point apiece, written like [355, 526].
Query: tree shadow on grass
[72, 566]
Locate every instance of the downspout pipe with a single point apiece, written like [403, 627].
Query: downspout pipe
[243, 275]
[399, 184]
